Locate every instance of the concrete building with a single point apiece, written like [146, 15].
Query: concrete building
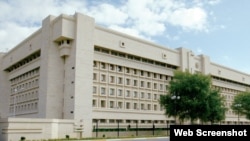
[72, 73]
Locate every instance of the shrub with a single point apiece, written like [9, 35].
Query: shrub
[22, 138]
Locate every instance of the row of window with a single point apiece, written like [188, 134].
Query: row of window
[25, 76]
[230, 81]
[26, 85]
[126, 105]
[120, 80]
[127, 70]
[23, 108]
[118, 92]
[133, 57]
[24, 61]
[130, 121]
[24, 97]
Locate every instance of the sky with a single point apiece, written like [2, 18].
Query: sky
[216, 28]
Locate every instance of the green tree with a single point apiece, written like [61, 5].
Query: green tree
[190, 97]
[241, 104]
[216, 106]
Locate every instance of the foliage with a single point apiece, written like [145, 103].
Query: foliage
[217, 108]
[241, 104]
[196, 98]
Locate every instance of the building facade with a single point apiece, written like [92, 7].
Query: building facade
[73, 69]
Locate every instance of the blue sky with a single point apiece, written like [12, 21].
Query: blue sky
[217, 28]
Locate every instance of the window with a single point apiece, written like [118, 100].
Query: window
[135, 83]
[111, 104]
[155, 107]
[94, 89]
[149, 95]
[155, 75]
[135, 106]
[103, 77]
[161, 86]
[142, 84]
[148, 85]
[94, 103]
[103, 91]
[135, 72]
[95, 64]
[149, 74]
[112, 91]
[120, 105]
[120, 80]
[127, 93]
[135, 94]
[127, 81]
[142, 95]
[155, 96]
[94, 76]
[149, 106]
[111, 67]
[142, 73]
[155, 85]
[103, 103]
[127, 105]
[142, 106]
[112, 79]
[127, 70]
[119, 68]
[103, 65]
[119, 92]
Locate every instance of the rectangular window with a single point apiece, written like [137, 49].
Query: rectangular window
[103, 65]
[127, 105]
[155, 96]
[148, 85]
[94, 89]
[142, 84]
[120, 105]
[155, 107]
[149, 95]
[103, 103]
[149, 106]
[135, 94]
[111, 67]
[135, 106]
[142, 106]
[127, 81]
[155, 85]
[135, 83]
[127, 93]
[111, 104]
[142, 95]
[119, 92]
[94, 103]
[103, 91]
[112, 91]
[112, 79]
[103, 77]
[127, 70]
[120, 80]
[119, 68]
[94, 76]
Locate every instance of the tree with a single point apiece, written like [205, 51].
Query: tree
[241, 104]
[216, 106]
[196, 98]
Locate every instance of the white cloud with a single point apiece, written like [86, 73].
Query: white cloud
[142, 18]
[190, 19]
[108, 14]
